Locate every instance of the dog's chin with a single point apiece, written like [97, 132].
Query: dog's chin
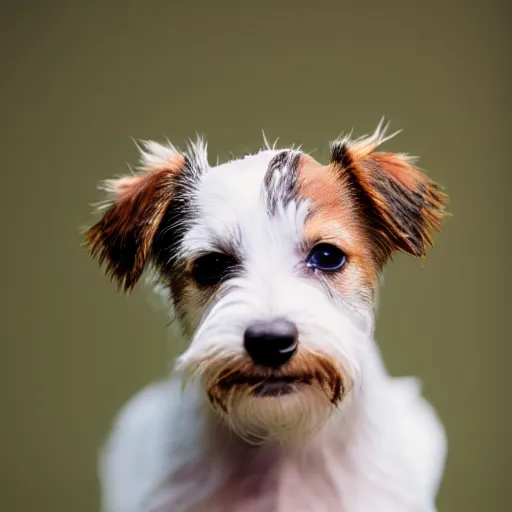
[277, 410]
[285, 404]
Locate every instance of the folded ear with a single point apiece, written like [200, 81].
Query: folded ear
[402, 206]
[123, 237]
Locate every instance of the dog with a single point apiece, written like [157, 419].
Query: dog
[280, 401]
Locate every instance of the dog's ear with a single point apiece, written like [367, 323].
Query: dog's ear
[402, 206]
[123, 237]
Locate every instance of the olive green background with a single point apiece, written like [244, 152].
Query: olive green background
[78, 79]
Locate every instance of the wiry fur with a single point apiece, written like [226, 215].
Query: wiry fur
[350, 438]
[404, 207]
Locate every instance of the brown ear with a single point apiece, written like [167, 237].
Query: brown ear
[123, 237]
[402, 205]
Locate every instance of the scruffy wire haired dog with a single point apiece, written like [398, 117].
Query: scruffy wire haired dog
[280, 402]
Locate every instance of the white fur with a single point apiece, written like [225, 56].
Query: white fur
[381, 450]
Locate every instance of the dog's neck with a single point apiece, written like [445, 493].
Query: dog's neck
[231, 474]
[275, 476]
[235, 452]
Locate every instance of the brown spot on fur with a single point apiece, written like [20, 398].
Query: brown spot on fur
[123, 236]
[240, 376]
[369, 205]
[335, 218]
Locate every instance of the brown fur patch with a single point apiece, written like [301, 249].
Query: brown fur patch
[123, 236]
[336, 219]
[404, 207]
[369, 205]
[240, 376]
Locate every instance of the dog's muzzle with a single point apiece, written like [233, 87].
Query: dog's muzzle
[242, 379]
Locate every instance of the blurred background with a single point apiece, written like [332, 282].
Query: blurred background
[78, 79]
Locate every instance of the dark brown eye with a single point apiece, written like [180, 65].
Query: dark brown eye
[326, 257]
[212, 268]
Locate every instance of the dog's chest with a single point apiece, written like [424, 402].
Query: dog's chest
[330, 486]
[285, 490]
[292, 493]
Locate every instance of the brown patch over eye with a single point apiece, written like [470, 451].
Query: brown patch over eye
[370, 204]
[334, 219]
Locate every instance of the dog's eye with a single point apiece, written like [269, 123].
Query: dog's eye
[212, 268]
[326, 257]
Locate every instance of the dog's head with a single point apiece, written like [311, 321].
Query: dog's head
[272, 263]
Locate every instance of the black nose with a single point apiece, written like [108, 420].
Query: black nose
[271, 344]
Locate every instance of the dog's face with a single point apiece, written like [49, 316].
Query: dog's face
[272, 262]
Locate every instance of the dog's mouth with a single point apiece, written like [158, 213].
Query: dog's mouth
[268, 386]
[309, 374]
